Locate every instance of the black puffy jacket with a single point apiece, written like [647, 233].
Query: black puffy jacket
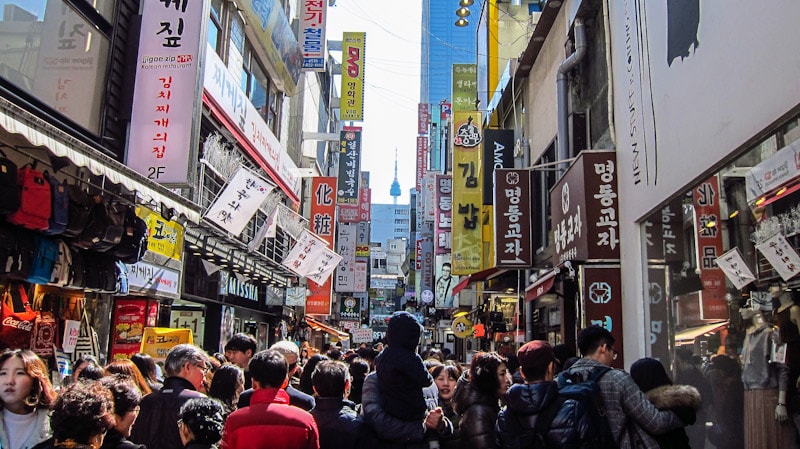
[524, 403]
[478, 416]
[157, 424]
[340, 427]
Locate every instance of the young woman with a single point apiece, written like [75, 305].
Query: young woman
[226, 386]
[477, 399]
[126, 408]
[147, 366]
[26, 396]
[446, 378]
[128, 368]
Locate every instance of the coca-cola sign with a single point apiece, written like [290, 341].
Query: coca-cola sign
[10, 321]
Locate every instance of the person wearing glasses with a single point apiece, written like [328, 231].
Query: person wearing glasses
[186, 367]
[627, 409]
[127, 397]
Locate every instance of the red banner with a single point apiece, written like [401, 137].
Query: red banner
[423, 118]
[323, 224]
[131, 316]
[709, 247]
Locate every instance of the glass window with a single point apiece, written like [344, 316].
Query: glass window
[215, 27]
[52, 53]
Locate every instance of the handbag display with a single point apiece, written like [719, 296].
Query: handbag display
[87, 340]
[18, 318]
[44, 334]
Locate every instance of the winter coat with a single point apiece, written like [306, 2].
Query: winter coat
[296, 398]
[271, 422]
[115, 440]
[392, 432]
[453, 440]
[524, 405]
[684, 401]
[401, 378]
[40, 433]
[340, 427]
[478, 416]
[157, 424]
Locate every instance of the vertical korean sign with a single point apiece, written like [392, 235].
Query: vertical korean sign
[467, 193]
[323, 224]
[345, 276]
[512, 218]
[423, 118]
[422, 160]
[165, 96]
[313, 14]
[352, 103]
[444, 215]
[349, 167]
[465, 87]
[709, 247]
[602, 302]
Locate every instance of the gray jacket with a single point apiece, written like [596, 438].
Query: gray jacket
[41, 431]
[757, 371]
[628, 410]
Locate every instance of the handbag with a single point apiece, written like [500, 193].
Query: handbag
[87, 340]
[44, 329]
[17, 318]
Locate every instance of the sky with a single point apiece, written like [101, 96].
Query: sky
[391, 94]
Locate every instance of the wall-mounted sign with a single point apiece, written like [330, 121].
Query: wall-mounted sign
[602, 301]
[512, 218]
[313, 14]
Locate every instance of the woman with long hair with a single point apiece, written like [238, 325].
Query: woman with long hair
[147, 366]
[477, 399]
[446, 378]
[26, 396]
[305, 378]
[227, 385]
[128, 368]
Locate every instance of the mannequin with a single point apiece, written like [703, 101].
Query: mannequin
[765, 387]
[787, 318]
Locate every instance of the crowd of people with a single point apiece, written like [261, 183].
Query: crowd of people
[283, 397]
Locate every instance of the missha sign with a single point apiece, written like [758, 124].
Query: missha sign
[585, 209]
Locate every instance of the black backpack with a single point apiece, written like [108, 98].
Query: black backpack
[104, 229]
[134, 241]
[586, 392]
[21, 255]
[80, 210]
[9, 189]
[523, 437]
[101, 273]
[77, 270]
[59, 218]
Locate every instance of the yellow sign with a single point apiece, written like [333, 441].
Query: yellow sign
[157, 341]
[462, 327]
[352, 97]
[163, 237]
[467, 213]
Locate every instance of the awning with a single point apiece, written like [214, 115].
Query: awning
[22, 129]
[541, 286]
[485, 275]
[320, 326]
[688, 335]
[780, 193]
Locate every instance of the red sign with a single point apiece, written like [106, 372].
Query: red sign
[422, 160]
[354, 213]
[512, 218]
[423, 118]
[323, 224]
[602, 302]
[706, 200]
[131, 316]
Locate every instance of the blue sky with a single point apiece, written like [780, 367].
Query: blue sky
[392, 86]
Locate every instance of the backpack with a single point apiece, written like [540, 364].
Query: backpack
[21, 255]
[35, 200]
[9, 190]
[59, 218]
[101, 273]
[104, 229]
[44, 260]
[63, 265]
[524, 437]
[77, 270]
[134, 241]
[80, 209]
[586, 392]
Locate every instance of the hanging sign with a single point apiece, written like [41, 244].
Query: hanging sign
[781, 256]
[239, 201]
[734, 267]
[157, 341]
[311, 258]
[462, 327]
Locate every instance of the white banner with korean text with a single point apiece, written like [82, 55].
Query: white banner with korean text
[239, 201]
[310, 257]
[780, 254]
[733, 265]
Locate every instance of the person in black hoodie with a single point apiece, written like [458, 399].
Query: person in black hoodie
[126, 408]
[684, 400]
[401, 373]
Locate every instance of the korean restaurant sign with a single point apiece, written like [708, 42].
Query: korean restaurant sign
[423, 118]
[706, 199]
[239, 201]
[601, 299]
[345, 278]
[465, 87]
[222, 87]
[422, 160]
[444, 215]
[512, 218]
[269, 22]
[164, 237]
[349, 167]
[467, 193]
[313, 14]
[165, 95]
[352, 103]
[584, 205]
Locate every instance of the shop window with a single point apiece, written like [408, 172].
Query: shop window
[215, 26]
[38, 37]
[260, 89]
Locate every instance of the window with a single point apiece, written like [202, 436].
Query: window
[215, 27]
[259, 88]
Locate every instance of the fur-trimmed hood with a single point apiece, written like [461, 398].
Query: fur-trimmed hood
[672, 396]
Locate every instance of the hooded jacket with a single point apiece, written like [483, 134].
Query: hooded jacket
[271, 422]
[684, 401]
[478, 415]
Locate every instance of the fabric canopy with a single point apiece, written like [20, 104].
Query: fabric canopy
[688, 335]
[320, 326]
[541, 286]
[485, 275]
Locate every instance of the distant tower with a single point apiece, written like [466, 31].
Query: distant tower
[395, 189]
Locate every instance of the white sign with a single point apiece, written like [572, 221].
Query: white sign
[778, 169]
[734, 267]
[239, 201]
[165, 94]
[382, 283]
[296, 296]
[312, 34]
[362, 335]
[223, 87]
[344, 281]
[349, 325]
[781, 256]
[71, 331]
[427, 296]
[146, 277]
[311, 257]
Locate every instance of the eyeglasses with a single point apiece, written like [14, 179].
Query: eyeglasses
[613, 357]
[204, 368]
[135, 410]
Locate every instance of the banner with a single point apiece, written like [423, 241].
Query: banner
[157, 341]
[352, 89]
[512, 218]
[239, 201]
[310, 257]
[467, 196]
[602, 302]
[349, 167]
[165, 97]
[313, 14]
[344, 281]
[422, 160]
[444, 214]
[706, 198]
[295, 296]
[164, 237]
[781, 255]
[323, 207]
[465, 87]
[445, 283]
[733, 265]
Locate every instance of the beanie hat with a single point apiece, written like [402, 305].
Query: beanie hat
[404, 331]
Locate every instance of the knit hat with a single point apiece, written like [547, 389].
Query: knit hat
[535, 354]
[649, 373]
[204, 417]
[404, 331]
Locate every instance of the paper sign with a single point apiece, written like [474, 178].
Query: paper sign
[781, 256]
[71, 331]
[157, 341]
[239, 201]
[734, 267]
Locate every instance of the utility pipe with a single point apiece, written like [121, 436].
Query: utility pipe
[562, 92]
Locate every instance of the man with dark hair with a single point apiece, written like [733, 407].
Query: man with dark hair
[185, 366]
[297, 398]
[340, 427]
[269, 420]
[623, 400]
[239, 350]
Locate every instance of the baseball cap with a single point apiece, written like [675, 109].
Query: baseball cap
[536, 353]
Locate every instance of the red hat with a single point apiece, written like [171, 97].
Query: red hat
[536, 353]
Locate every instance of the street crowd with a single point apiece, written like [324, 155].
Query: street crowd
[285, 397]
